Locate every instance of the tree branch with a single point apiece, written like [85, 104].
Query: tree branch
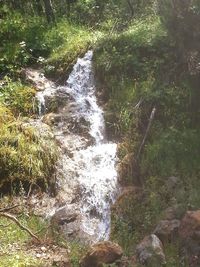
[14, 219]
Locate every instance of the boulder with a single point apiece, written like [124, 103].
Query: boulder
[64, 215]
[37, 78]
[174, 212]
[67, 221]
[189, 232]
[190, 225]
[150, 251]
[167, 230]
[102, 253]
[172, 182]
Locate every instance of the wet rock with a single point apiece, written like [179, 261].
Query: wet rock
[167, 230]
[150, 251]
[56, 100]
[37, 78]
[65, 215]
[189, 233]
[66, 220]
[102, 253]
[128, 194]
[52, 118]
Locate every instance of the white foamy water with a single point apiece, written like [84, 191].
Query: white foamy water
[94, 165]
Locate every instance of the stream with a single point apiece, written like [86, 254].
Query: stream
[88, 160]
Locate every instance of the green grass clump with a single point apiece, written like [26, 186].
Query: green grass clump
[66, 42]
[19, 98]
[24, 155]
[127, 64]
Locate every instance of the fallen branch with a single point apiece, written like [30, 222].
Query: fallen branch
[9, 208]
[146, 133]
[14, 219]
[135, 163]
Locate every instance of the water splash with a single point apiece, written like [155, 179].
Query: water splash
[94, 165]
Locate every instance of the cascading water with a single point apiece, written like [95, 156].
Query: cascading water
[94, 164]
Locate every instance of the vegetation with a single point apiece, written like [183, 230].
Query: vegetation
[146, 56]
[154, 64]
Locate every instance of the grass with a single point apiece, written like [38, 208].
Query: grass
[19, 98]
[67, 42]
[137, 70]
[14, 251]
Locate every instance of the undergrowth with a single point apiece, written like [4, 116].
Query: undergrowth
[137, 70]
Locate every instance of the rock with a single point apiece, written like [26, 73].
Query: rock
[100, 253]
[64, 215]
[172, 182]
[66, 221]
[58, 100]
[189, 232]
[173, 212]
[167, 230]
[150, 251]
[129, 194]
[37, 78]
[190, 225]
[52, 118]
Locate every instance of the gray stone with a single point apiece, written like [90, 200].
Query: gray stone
[167, 230]
[150, 251]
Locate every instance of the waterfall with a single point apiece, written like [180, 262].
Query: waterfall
[91, 165]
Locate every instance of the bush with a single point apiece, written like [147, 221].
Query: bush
[21, 40]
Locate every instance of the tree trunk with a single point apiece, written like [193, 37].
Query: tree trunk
[49, 11]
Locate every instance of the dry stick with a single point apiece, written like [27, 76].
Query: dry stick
[136, 163]
[146, 133]
[9, 208]
[14, 219]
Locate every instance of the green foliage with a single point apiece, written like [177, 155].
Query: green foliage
[21, 40]
[170, 153]
[77, 251]
[127, 64]
[66, 42]
[139, 69]
[29, 40]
